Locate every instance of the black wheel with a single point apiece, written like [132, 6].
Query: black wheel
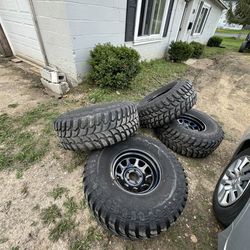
[233, 189]
[243, 46]
[97, 126]
[166, 103]
[136, 189]
[194, 134]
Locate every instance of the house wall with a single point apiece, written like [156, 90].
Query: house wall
[95, 21]
[54, 27]
[17, 22]
[210, 26]
[157, 49]
[71, 28]
[92, 22]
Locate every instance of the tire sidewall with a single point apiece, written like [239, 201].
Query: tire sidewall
[243, 46]
[211, 129]
[157, 93]
[163, 194]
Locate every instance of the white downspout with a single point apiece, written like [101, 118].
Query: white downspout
[38, 32]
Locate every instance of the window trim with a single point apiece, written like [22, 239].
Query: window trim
[154, 37]
[204, 6]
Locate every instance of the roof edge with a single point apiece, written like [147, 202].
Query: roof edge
[222, 4]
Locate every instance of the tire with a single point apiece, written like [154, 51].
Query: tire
[166, 103]
[198, 138]
[143, 212]
[226, 214]
[243, 47]
[97, 126]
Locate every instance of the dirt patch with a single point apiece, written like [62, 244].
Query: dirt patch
[20, 90]
[200, 64]
[222, 86]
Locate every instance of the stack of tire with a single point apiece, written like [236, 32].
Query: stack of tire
[134, 184]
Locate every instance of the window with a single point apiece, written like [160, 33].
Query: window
[201, 18]
[150, 18]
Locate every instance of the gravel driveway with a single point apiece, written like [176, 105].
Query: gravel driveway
[223, 92]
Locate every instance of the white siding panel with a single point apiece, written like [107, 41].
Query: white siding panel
[210, 26]
[92, 22]
[54, 26]
[16, 18]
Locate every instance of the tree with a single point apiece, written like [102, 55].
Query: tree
[241, 13]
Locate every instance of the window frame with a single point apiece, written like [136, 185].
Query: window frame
[204, 6]
[148, 38]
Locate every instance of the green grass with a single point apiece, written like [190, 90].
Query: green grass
[25, 190]
[229, 31]
[65, 225]
[50, 214]
[153, 74]
[19, 147]
[61, 222]
[58, 192]
[15, 248]
[86, 242]
[71, 206]
[77, 161]
[3, 240]
[13, 105]
[230, 44]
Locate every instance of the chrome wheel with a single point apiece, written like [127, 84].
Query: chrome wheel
[135, 172]
[234, 182]
[192, 123]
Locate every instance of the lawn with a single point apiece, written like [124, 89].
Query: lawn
[42, 183]
[153, 74]
[229, 31]
[228, 44]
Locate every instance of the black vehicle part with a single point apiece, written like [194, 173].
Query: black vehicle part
[194, 134]
[243, 46]
[232, 191]
[136, 189]
[166, 103]
[97, 126]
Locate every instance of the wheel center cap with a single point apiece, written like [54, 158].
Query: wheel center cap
[133, 176]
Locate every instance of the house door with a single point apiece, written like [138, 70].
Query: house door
[19, 28]
[183, 24]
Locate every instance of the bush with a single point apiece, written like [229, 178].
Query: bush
[214, 41]
[113, 66]
[180, 51]
[198, 49]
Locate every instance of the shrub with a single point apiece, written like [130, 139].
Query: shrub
[180, 51]
[113, 66]
[214, 41]
[198, 49]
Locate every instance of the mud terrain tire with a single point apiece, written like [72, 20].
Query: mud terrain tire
[134, 211]
[167, 103]
[194, 134]
[97, 126]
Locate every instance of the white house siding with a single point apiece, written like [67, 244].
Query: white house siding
[210, 26]
[54, 26]
[71, 28]
[157, 49]
[16, 19]
[92, 22]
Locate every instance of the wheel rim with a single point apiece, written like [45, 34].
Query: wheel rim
[136, 172]
[234, 182]
[191, 123]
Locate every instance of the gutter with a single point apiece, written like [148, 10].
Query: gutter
[39, 35]
[222, 4]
